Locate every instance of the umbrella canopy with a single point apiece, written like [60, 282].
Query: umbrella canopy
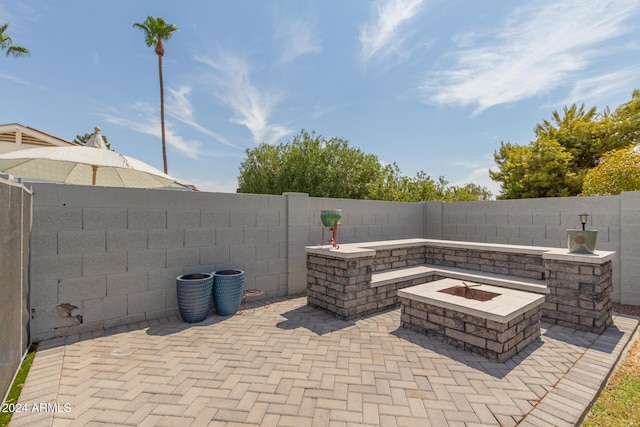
[83, 166]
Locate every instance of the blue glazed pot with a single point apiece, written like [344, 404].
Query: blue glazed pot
[228, 287]
[194, 296]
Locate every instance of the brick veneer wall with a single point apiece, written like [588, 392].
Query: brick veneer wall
[579, 292]
[579, 295]
[514, 264]
[326, 274]
[341, 286]
[494, 340]
[387, 259]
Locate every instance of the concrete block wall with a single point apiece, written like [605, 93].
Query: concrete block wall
[113, 254]
[629, 248]
[104, 257]
[15, 224]
[542, 222]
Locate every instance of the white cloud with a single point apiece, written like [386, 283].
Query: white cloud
[601, 88]
[383, 37]
[15, 79]
[252, 106]
[298, 39]
[479, 172]
[179, 107]
[229, 186]
[145, 119]
[540, 48]
[480, 177]
[464, 40]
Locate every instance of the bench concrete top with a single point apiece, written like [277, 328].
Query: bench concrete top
[366, 249]
[598, 257]
[502, 280]
[508, 305]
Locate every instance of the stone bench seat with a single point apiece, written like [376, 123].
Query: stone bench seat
[398, 275]
[358, 279]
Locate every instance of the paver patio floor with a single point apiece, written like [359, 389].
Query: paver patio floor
[288, 364]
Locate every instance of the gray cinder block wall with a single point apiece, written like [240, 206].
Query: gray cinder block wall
[104, 257]
[15, 225]
[542, 222]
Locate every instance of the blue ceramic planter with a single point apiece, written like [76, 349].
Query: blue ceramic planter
[228, 287]
[194, 296]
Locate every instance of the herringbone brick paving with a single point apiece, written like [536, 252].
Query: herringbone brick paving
[288, 364]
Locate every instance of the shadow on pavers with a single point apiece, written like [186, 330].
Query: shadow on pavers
[313, 319]
[465, 357]
[177, 325]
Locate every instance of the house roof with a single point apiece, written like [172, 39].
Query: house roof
[18, 134]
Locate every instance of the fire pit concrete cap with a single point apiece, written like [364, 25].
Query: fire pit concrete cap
[508, 305]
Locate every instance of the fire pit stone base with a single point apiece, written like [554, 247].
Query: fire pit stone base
[497, 329]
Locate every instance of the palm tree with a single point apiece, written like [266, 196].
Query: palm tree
[157, 30]
[6, 44]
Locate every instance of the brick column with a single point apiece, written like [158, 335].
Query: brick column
[580, 289]
[340, 285]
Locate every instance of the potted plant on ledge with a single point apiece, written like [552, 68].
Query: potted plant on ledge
[582, 241]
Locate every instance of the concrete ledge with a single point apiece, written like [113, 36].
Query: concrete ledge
[344, 251]
[505, 307]
[598, 257]
[352, 250]
[511, 282]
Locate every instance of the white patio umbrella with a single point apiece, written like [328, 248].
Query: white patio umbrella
[92, 164]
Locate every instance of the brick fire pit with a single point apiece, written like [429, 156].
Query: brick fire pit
[498, 323]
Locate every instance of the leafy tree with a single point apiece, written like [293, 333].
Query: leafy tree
[467, 193]
[576, 131]
[392, 186]
[82, 140]
[625, 124]
[540, 169]
[617, 171]
[157, 30]
[330, 168]
[311, 164]
[7, 45]
[566, 147]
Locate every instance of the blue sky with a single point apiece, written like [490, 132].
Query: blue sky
[431, 85]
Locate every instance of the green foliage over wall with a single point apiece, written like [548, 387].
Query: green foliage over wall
[325, 167]
[617, 171]
[566, 147]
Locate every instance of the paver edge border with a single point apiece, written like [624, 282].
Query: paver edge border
[629, 326]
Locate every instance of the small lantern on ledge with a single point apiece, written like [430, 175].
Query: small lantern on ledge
[582, 241]
[583, 219]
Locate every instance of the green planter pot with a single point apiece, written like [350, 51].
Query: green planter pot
[228, 287]
[330, 217]
[582, 241]
[194, 296]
